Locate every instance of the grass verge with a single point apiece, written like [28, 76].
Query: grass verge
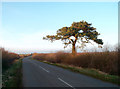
[13, 76]
[89, 72]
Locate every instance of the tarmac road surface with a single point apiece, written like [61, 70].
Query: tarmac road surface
[39, 74]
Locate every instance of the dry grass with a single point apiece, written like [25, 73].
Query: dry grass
[104, 61]
[8, 58]
[24, 55]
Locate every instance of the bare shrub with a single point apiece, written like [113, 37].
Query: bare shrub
[8, 58]
[103, 61]
[38, 56]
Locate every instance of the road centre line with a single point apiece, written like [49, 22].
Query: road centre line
[48, 72]
[66, 83]
[40, 66]
[44, 69]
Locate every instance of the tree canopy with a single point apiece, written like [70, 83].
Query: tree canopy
[81, 32]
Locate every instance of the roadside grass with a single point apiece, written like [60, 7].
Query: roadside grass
[13, 76]
[89, 72]
[7, 59]
[106, 62]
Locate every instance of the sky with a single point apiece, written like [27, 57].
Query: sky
[24, 24]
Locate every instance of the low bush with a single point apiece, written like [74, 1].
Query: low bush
[8, 58]
[104, 61]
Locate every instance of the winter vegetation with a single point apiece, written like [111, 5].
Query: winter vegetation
[11, 69]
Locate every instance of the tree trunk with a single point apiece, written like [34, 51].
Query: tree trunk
[73, 49]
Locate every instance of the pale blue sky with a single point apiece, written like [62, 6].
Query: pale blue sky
[25, 23]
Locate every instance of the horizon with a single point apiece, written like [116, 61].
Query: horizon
[24, 24]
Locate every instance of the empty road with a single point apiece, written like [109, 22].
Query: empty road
[38, 74]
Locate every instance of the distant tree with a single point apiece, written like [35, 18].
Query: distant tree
[80, 32]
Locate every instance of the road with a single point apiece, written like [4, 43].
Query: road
[39, 74]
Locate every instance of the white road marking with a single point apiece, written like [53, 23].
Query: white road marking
[39, 66]
[44, 69]
[66, 83]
